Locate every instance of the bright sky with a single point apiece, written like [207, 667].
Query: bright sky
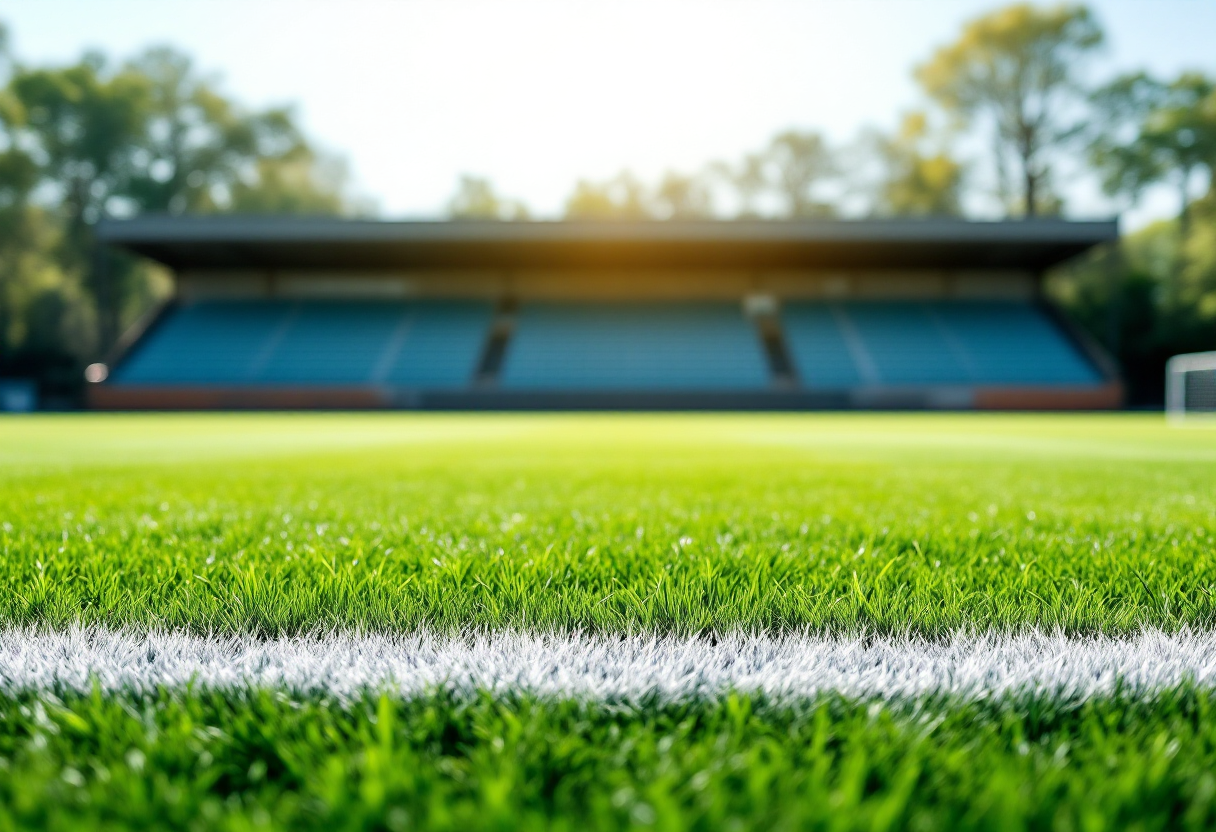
[538, 93]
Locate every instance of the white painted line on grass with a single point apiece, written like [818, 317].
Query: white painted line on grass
[624, 668]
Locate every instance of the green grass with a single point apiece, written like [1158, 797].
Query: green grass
[279, 524]
[276, 524]
[266, 761]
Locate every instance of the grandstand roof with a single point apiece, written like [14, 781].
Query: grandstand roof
[245, 242]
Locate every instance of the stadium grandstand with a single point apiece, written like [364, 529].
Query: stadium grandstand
[303, 312]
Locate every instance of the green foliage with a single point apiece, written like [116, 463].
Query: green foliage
[92, 140]
[81, 123]
[476, 199]
[294, 182]
[1154, 295]
[1151, 131]
[205, 761]
[1199, 262]
[151, 135]
[47, 319]
[747, 178]
[681, 197]
[283, 524]
[1145, 300]
[802, 162]
[790, 172]
[1016, 67]
[921, 178]
[199, 152]
[623, 197]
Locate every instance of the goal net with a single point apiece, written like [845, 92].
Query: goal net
[1190, 386]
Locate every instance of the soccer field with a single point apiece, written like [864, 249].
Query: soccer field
[495, 621]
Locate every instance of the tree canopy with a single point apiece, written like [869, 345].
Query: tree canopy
[920, 176]
[1016, 69]
[1150, 131]
[94, 139]
[476, 199]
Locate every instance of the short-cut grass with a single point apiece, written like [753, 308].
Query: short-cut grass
[274, 525]
[279, 524]
[267, 761]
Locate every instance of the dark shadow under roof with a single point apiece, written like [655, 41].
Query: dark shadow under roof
[280, 242]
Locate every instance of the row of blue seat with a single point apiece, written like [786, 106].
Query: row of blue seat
[685, 346]
[604, 346]
[845, 345]
[429, 344]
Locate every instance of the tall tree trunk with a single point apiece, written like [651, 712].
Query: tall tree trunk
[1031, 186]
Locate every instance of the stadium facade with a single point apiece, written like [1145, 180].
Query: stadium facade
[304, 312]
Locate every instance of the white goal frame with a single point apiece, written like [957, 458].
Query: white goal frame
[1176, 370]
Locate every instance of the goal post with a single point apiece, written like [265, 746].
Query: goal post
[1190, 386]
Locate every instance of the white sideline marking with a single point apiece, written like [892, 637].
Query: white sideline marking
[625, 668]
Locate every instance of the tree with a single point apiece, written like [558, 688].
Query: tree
[801, 163]
[1016, 68]
[1150, 132]
[299, 181]
[790, 176]
[1155, 132]
[1199, 263]
[749, 179]
[476, 199]
[80, 124]
[682, 197]
[45, 319]
[920, 178]
[1121, 295]
[28, 265]
[623, 197]
[201, 153]
[96, 139]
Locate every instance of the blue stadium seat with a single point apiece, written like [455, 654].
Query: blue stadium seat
[440, 344]
[568, 346]
[907, 344]
[820, 347]
[224, 343]
[328, 343]
[211, 342]
[634, 346]
[1015, 343]
[848, 344]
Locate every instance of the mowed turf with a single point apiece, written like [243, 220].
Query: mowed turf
[266, 761]
[271, 526]
[280, 524]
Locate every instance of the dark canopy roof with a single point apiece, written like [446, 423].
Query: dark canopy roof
[242, 242]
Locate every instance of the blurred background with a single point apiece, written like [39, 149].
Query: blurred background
[602, 111]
